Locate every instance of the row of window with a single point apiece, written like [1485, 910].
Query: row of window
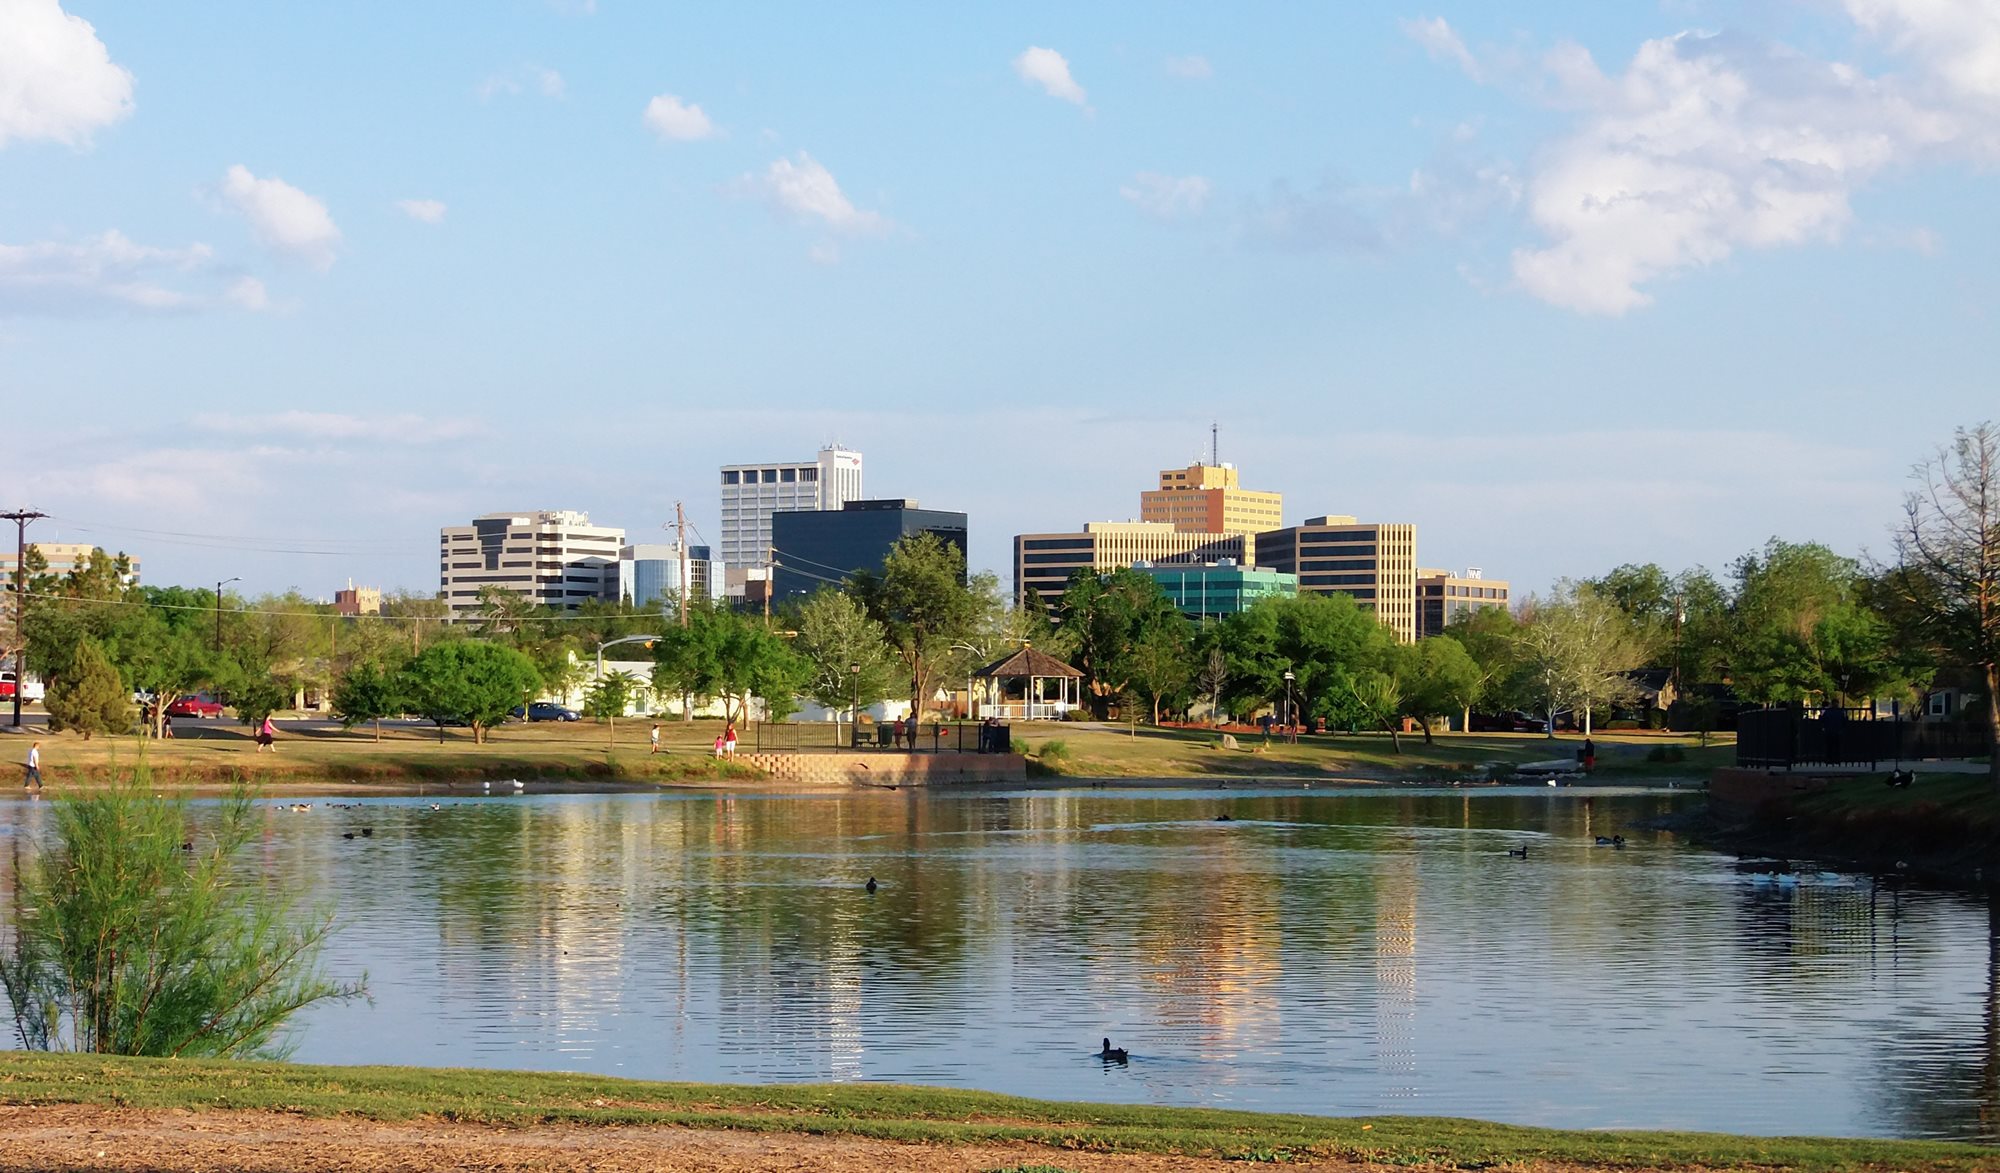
[769, 476]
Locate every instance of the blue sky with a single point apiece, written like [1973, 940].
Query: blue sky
[284, 288]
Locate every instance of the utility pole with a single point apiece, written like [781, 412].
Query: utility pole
[20, 518]
[218, 611]
[681, 546]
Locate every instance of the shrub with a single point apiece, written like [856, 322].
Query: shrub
[1665, 753]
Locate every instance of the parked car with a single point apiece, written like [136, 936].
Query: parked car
[194, 706]
[550, 711]
[32, 692]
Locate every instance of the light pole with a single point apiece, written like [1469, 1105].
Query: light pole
[854, 714]
[1288, 706]
[20, 518]
[218, 611]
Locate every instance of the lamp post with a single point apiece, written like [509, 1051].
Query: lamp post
[218, 611]
[1288, 706]
[854, 714]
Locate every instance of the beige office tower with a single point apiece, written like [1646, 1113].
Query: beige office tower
[1443, 598]
[1209, 499]
[1374, 564]
[550, 557]
[1043, 563]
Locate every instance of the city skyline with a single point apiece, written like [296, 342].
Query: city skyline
[1565, 289]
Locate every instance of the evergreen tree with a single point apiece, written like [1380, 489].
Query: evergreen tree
[90, 697]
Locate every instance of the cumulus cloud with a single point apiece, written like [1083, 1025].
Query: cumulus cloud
[805, 189]
[1050, 70]
[335, 427]
[1957, 41]
[282, 217]
[546, 82]
[428, 211]
[1442, 42]
[1193, 67]
[677, 121]
[112, 273]
[1167, 197]
[57, 80]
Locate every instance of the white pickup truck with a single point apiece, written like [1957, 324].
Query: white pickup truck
[32, 692]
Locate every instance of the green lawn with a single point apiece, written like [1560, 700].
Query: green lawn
[916, 1114]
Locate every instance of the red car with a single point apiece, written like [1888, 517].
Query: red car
[194, 706]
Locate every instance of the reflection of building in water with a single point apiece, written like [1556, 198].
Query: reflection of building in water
[1212, 945]
[1396, 974]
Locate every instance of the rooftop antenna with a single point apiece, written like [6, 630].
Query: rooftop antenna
[1214, 443]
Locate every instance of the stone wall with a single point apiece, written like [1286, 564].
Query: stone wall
[887, 769]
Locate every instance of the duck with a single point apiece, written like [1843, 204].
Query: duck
[1611, 840]
[436, 807]
[518, 784]
[871, 885]
[1112, 1054]
[367, 832]
[1225, 818]
[347, 834]
[1520, 852]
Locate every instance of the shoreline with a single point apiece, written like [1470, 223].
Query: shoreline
[224, 1114]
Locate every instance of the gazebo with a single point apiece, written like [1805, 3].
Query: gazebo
[1016, 687]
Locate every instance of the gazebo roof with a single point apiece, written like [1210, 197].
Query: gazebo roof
[1025, 663]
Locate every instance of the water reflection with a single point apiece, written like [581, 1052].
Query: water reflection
[1318, 951]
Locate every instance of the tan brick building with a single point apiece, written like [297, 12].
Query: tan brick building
[1043, 563]
[1375, 564]
[1208, 498]
[1444, 597]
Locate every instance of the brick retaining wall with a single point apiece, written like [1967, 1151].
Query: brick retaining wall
[888, 769]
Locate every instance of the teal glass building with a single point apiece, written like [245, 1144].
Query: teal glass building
[1215, 589]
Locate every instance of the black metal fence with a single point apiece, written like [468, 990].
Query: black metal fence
[887, 736]
[1836, 737]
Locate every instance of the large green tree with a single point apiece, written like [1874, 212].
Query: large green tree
[1573, 651]
[925, 604]
[367, 693]
[1438, 678]
[90, 697]
[1124, 634]
[724, 655]
[1324, 640]
[469, 681]
[848, 653]
[1801, 631]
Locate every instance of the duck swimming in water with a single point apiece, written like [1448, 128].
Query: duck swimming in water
[870, 885]
[1520, 852]
[1113, 1054]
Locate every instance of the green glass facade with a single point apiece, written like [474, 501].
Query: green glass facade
[1215, 591]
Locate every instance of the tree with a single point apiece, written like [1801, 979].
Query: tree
[1802, 633]
[90, 697]
[1320, 638]
[142, 944]
[721, 654]
[1123, 633]
[1160, 661]
[1491, 637]
[1948, 546]
[1378, 698]
[925, 603]
[471, 681]
[1574, 651]
[611, 696]
[255, 700]
[836, 636]
[1214, 673]
[168, 661]
[1437, 678]
[366, 693]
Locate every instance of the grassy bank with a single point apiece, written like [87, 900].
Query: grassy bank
[1946, 827]
[914, 1114]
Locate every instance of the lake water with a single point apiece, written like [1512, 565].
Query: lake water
[1323, 951]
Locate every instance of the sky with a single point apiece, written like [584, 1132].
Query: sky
[286, 288]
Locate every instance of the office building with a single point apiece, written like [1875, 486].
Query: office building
[551, 558]
[1210, 590]
[356, 601]
[1443, 598]
[61, 558]
[1376, 565]
[1209, 499]
[1043, 563]
[751, 493]
[816, 548]
[655, 574]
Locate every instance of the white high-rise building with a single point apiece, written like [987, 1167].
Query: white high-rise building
[551, 557]
[751, 493]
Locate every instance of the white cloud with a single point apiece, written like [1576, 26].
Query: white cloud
[334, 427]
[677, 121]
[1167, 197]
[1442, 42]
[1957, 40]
[1193, 67]
[283, 217]
[428, 211]
[826, 252]
[808, 191]
[113, 273]
[546, 82]
[57, 80]
[1049, 70]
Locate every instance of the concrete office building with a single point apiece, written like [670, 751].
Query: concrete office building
[1210, 590]
[816, 548]
[1043, 563]
[655, 573]
[1208, 499]
[1443, 598]
[1376, 565]
[60, 558]
[751, 493]
[552, 558]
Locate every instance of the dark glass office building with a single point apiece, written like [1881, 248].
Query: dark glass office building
[813, 548]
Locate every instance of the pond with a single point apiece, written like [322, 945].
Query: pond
[1325, 951]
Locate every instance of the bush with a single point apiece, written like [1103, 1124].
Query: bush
[1619, 725]
[1054, 750]
[1665, 753]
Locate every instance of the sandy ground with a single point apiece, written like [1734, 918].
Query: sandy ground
[77, 1137]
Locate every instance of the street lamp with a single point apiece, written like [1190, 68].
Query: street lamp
[1288, 706]
[854, 714]
[218, 611]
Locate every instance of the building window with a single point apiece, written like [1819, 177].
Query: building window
[770, 476]
[788, 475]
[809, 475]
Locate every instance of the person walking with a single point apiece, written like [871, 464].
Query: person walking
[910, 730]
[729, 739]
[34, 776]
[267, 736]
[654, 737]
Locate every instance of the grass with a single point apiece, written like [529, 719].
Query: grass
[914, 1114]
[1945, 826]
